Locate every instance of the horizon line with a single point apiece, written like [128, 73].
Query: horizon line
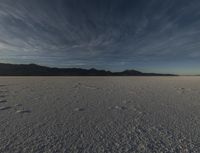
[133, 69]
[129, 69]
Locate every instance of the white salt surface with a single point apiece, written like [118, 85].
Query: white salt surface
[99, 114]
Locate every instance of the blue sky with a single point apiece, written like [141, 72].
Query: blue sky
[149, 35]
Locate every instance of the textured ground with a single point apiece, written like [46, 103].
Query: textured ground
[99, 114]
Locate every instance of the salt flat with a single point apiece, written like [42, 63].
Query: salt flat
[99, 114]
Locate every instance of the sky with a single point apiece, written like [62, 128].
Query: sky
[148, 35]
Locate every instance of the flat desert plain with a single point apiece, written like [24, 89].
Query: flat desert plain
[99, 114]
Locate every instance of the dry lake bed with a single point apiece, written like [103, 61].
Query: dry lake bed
[99, 114]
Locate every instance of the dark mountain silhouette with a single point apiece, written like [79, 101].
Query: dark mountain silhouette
[37, 70]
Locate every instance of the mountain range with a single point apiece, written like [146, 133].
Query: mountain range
[37, 70]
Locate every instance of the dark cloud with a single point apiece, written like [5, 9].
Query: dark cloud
[100, 33]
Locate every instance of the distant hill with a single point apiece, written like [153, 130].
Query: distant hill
[37, 70]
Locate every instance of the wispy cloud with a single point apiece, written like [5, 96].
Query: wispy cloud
[53, 31]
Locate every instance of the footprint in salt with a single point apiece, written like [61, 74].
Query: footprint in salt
[16, 105]
[123, 108]
[3, 101]
[184, 90]
[181, 90]
[23, 111]
[91, 87]
[79, 109]
[118, 107]
[126, 102]
[2, 85]
[77, 85]
[4, 107]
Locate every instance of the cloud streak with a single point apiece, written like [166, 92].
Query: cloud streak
[99, 32]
